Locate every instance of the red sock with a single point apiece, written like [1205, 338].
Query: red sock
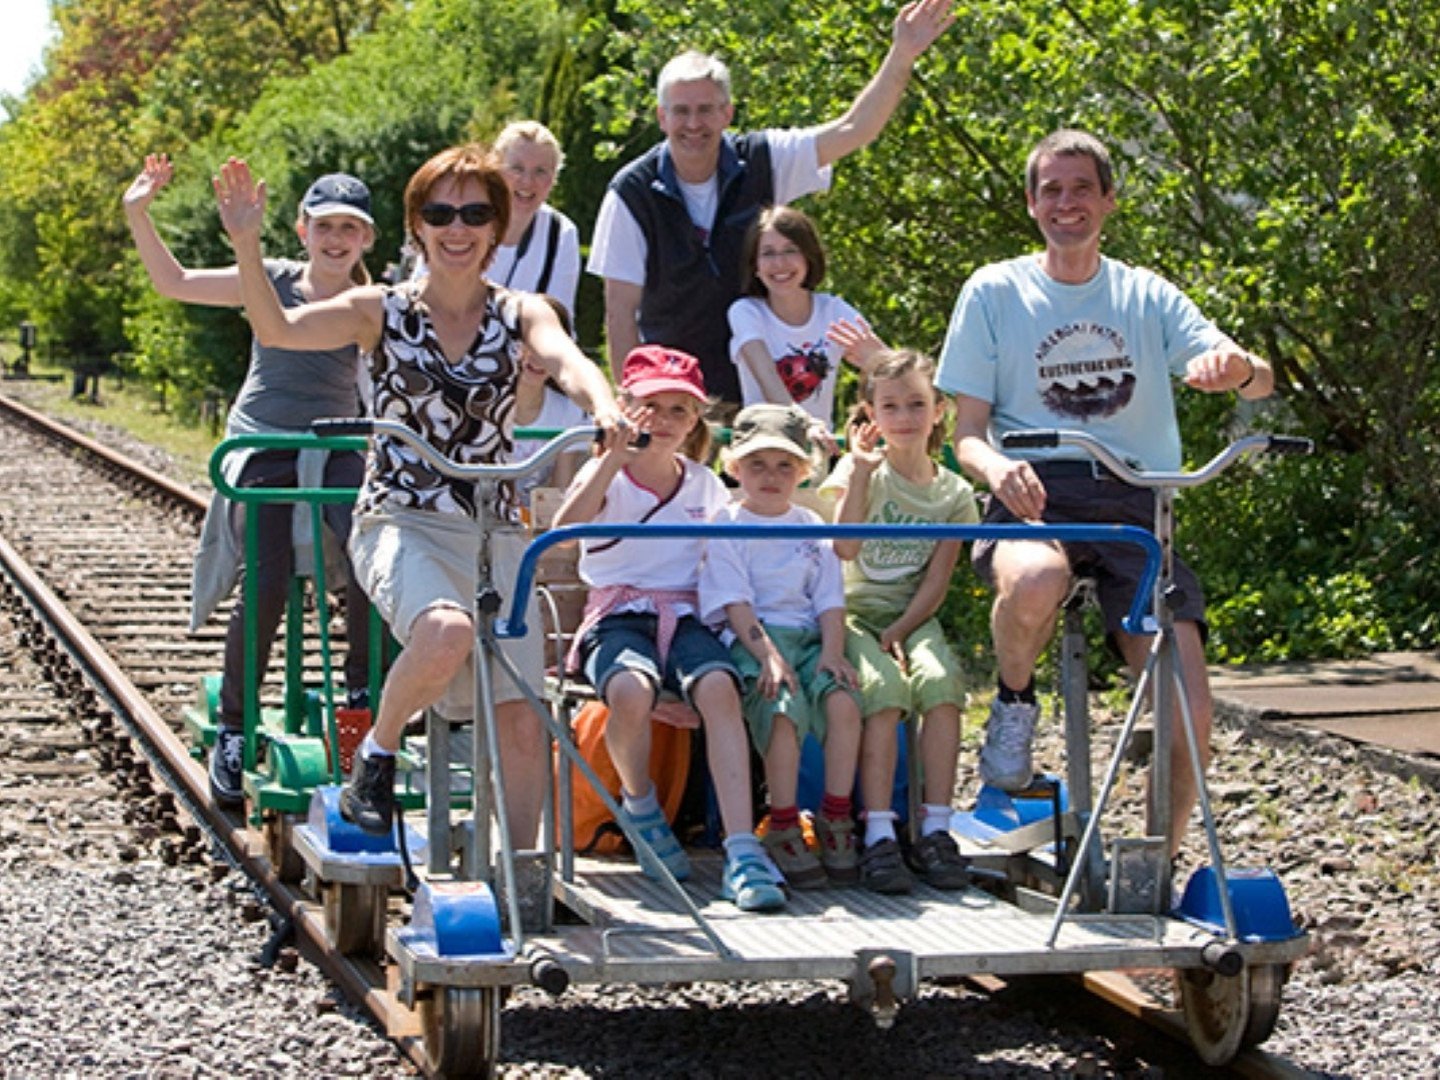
[784, 817]
[836, 807]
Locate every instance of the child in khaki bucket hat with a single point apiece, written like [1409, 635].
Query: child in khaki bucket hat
[781, 605]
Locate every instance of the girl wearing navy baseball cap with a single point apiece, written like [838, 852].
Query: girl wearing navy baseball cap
[284, 391]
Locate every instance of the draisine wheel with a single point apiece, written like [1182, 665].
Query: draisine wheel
[461, 1026]
[276, 830]
[1224, 1015]
[1266, 982]
[355, 917]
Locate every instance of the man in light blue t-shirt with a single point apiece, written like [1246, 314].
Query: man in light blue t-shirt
[1071, 339]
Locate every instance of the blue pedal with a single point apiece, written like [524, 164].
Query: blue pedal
[458, 918]
[1262, 911]
[998, 811]
[342, 837]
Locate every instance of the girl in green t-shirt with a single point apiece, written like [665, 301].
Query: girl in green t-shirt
[893, 588]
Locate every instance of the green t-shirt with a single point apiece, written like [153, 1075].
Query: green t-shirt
[881, 581]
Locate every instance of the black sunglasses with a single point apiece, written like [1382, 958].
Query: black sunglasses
[474, 214]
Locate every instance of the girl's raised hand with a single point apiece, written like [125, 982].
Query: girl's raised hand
[619, 435]
[154, 176]
[865, 442]
[856, 341]
[823, 437]
[241, 199]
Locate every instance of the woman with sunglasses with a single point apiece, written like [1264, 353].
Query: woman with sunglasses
[283, 392]
[445, 355]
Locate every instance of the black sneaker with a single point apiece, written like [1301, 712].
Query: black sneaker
[227, 768]
[883, 869]
[937, 859]
[368, 799]
[358, 699]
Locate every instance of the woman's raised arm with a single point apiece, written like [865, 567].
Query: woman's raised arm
[354, 317]
[213, 288]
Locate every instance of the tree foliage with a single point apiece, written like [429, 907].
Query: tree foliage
[1278, 160]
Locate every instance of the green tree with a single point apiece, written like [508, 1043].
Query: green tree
[1278, 159]
[414, 85]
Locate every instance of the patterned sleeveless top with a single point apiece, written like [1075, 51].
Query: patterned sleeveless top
[465, 410]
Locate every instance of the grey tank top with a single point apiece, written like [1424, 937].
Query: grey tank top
[288, 389]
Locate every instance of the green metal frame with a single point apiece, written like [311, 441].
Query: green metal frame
[296, 764]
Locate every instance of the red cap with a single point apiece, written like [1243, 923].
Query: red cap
[654, 369]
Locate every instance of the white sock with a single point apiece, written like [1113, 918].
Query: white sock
[935, 819]
[879, 825]
[370, 748]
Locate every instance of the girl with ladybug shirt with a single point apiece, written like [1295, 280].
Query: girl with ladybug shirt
[786, 339]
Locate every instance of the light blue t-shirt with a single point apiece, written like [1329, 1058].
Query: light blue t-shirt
[1096, 357]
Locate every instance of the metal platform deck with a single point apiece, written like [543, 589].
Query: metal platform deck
[636, 931]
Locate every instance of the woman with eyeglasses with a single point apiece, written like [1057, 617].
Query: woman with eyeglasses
[283, 392]
[445, 355]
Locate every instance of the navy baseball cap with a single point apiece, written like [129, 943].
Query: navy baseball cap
[338, 193]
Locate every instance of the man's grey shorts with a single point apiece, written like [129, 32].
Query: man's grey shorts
[410, 561]
[1077, 493]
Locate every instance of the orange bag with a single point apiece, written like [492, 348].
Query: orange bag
[596, 832]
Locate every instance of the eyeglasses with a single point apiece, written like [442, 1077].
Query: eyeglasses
[474, 214]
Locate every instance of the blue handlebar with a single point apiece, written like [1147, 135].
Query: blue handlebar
[1136, 621]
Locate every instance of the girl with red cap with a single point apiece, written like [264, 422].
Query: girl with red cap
[641, 632]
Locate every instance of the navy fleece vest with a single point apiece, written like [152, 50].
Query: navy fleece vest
[692, 279]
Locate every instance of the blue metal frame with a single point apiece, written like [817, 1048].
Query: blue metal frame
[1137, 620]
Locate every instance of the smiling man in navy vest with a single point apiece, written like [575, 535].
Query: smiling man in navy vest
[668, 237]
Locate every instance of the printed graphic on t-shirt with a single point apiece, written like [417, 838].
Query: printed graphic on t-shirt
[809, 552]
[894, 560]
[803, 369]
[1084, 371]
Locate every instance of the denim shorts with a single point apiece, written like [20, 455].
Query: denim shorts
[1078, 494]
[626, 642]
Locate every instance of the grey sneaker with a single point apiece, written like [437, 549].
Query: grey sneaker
[883, 869]
[796, 862]
[1005, 758]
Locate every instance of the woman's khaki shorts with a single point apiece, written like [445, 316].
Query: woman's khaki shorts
[410, 561]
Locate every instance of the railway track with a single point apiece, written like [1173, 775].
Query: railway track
[100, 551]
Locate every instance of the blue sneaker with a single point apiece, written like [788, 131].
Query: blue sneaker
[655, 830]
[751, 884]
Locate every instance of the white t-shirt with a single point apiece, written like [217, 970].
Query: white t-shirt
[525, 276]
[650, 564]
[808, 362]
[1096, 357]
[787, 582]
[556, 412]
[618, 249]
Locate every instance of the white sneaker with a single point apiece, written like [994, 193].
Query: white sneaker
[1005, 758]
